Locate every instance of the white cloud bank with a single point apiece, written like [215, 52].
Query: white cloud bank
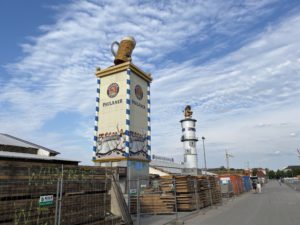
[257, 83]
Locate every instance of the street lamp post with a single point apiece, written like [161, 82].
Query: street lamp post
[203, 138]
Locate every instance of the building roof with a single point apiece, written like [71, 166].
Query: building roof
[167, 166]
[291, 167]
[203, 172]
[17, 155]
[158, 171]
[260, 173]
[6, 139]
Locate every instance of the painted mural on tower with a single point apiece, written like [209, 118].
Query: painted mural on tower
[113, 143]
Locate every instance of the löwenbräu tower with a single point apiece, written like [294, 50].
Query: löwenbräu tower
[189, 139]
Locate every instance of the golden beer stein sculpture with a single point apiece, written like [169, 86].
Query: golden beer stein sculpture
[125, 49]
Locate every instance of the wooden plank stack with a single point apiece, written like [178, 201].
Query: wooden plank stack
[203, 192]
[185, 191]
[153, 202]
[215, 189]
[85, 194]
[192, 192]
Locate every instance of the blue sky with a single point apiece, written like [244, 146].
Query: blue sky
[236, 62]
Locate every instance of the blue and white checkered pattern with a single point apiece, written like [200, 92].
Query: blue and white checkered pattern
[96, 115]
[149, 120]
[127, 111]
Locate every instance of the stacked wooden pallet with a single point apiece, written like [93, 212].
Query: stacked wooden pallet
[185, 192]
[203, 191]
[153, 202]
[84, 191]
[215, 189]
[192, 192]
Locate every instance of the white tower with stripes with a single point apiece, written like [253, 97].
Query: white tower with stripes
[189, 139]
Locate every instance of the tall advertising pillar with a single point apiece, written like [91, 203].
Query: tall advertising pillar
[122, 122]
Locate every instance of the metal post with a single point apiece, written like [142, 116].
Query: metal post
[129, 196]
[238, 187]
[234, 194]
[196, 193]
[228, 187]
[220, 189]
[227, 160]
[128, 191]
[175, 196]
[210, 193]
[60, 194]
[105, 189]
[56, 202]
[138, 202]
[203, 138]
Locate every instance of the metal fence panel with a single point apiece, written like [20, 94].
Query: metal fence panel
[293, 183]
[22, 203]
[56, 196]
[173, 195]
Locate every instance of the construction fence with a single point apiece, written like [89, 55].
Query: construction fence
[294, 183]
[54, 195]
[173, 194]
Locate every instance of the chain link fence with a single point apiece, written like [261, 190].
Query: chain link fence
[56, 196]
[172, 197]
[294, 183]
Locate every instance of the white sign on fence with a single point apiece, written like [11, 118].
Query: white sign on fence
[46, 200]
[132, 192]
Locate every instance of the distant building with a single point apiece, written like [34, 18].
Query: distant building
[164, 166]
[292, 167]
[17, 149]
[261, 173]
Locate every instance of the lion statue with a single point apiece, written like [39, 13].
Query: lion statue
[188, 111]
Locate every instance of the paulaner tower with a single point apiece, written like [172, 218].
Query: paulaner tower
[122, 122]
[189, 140]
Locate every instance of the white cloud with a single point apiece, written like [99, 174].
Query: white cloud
[175, 42]
[259, 82]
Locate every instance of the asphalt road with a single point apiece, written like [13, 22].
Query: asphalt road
[276, 205]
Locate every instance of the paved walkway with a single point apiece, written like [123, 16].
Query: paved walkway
[276, 205]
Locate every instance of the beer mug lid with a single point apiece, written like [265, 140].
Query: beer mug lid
[129, 38]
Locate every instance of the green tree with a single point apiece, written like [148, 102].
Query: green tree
[267, 171]
[254, 172]
[222, 168]
[296, 172]
[289, 173]
[271, 174]
[279, 174]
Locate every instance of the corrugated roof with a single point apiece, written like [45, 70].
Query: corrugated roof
[291, 167]
[173, 167]
[6, 139]
[167, 166]
[32, 156]
[161, 163]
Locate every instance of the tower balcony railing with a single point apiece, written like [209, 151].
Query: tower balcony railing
[187, 138]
